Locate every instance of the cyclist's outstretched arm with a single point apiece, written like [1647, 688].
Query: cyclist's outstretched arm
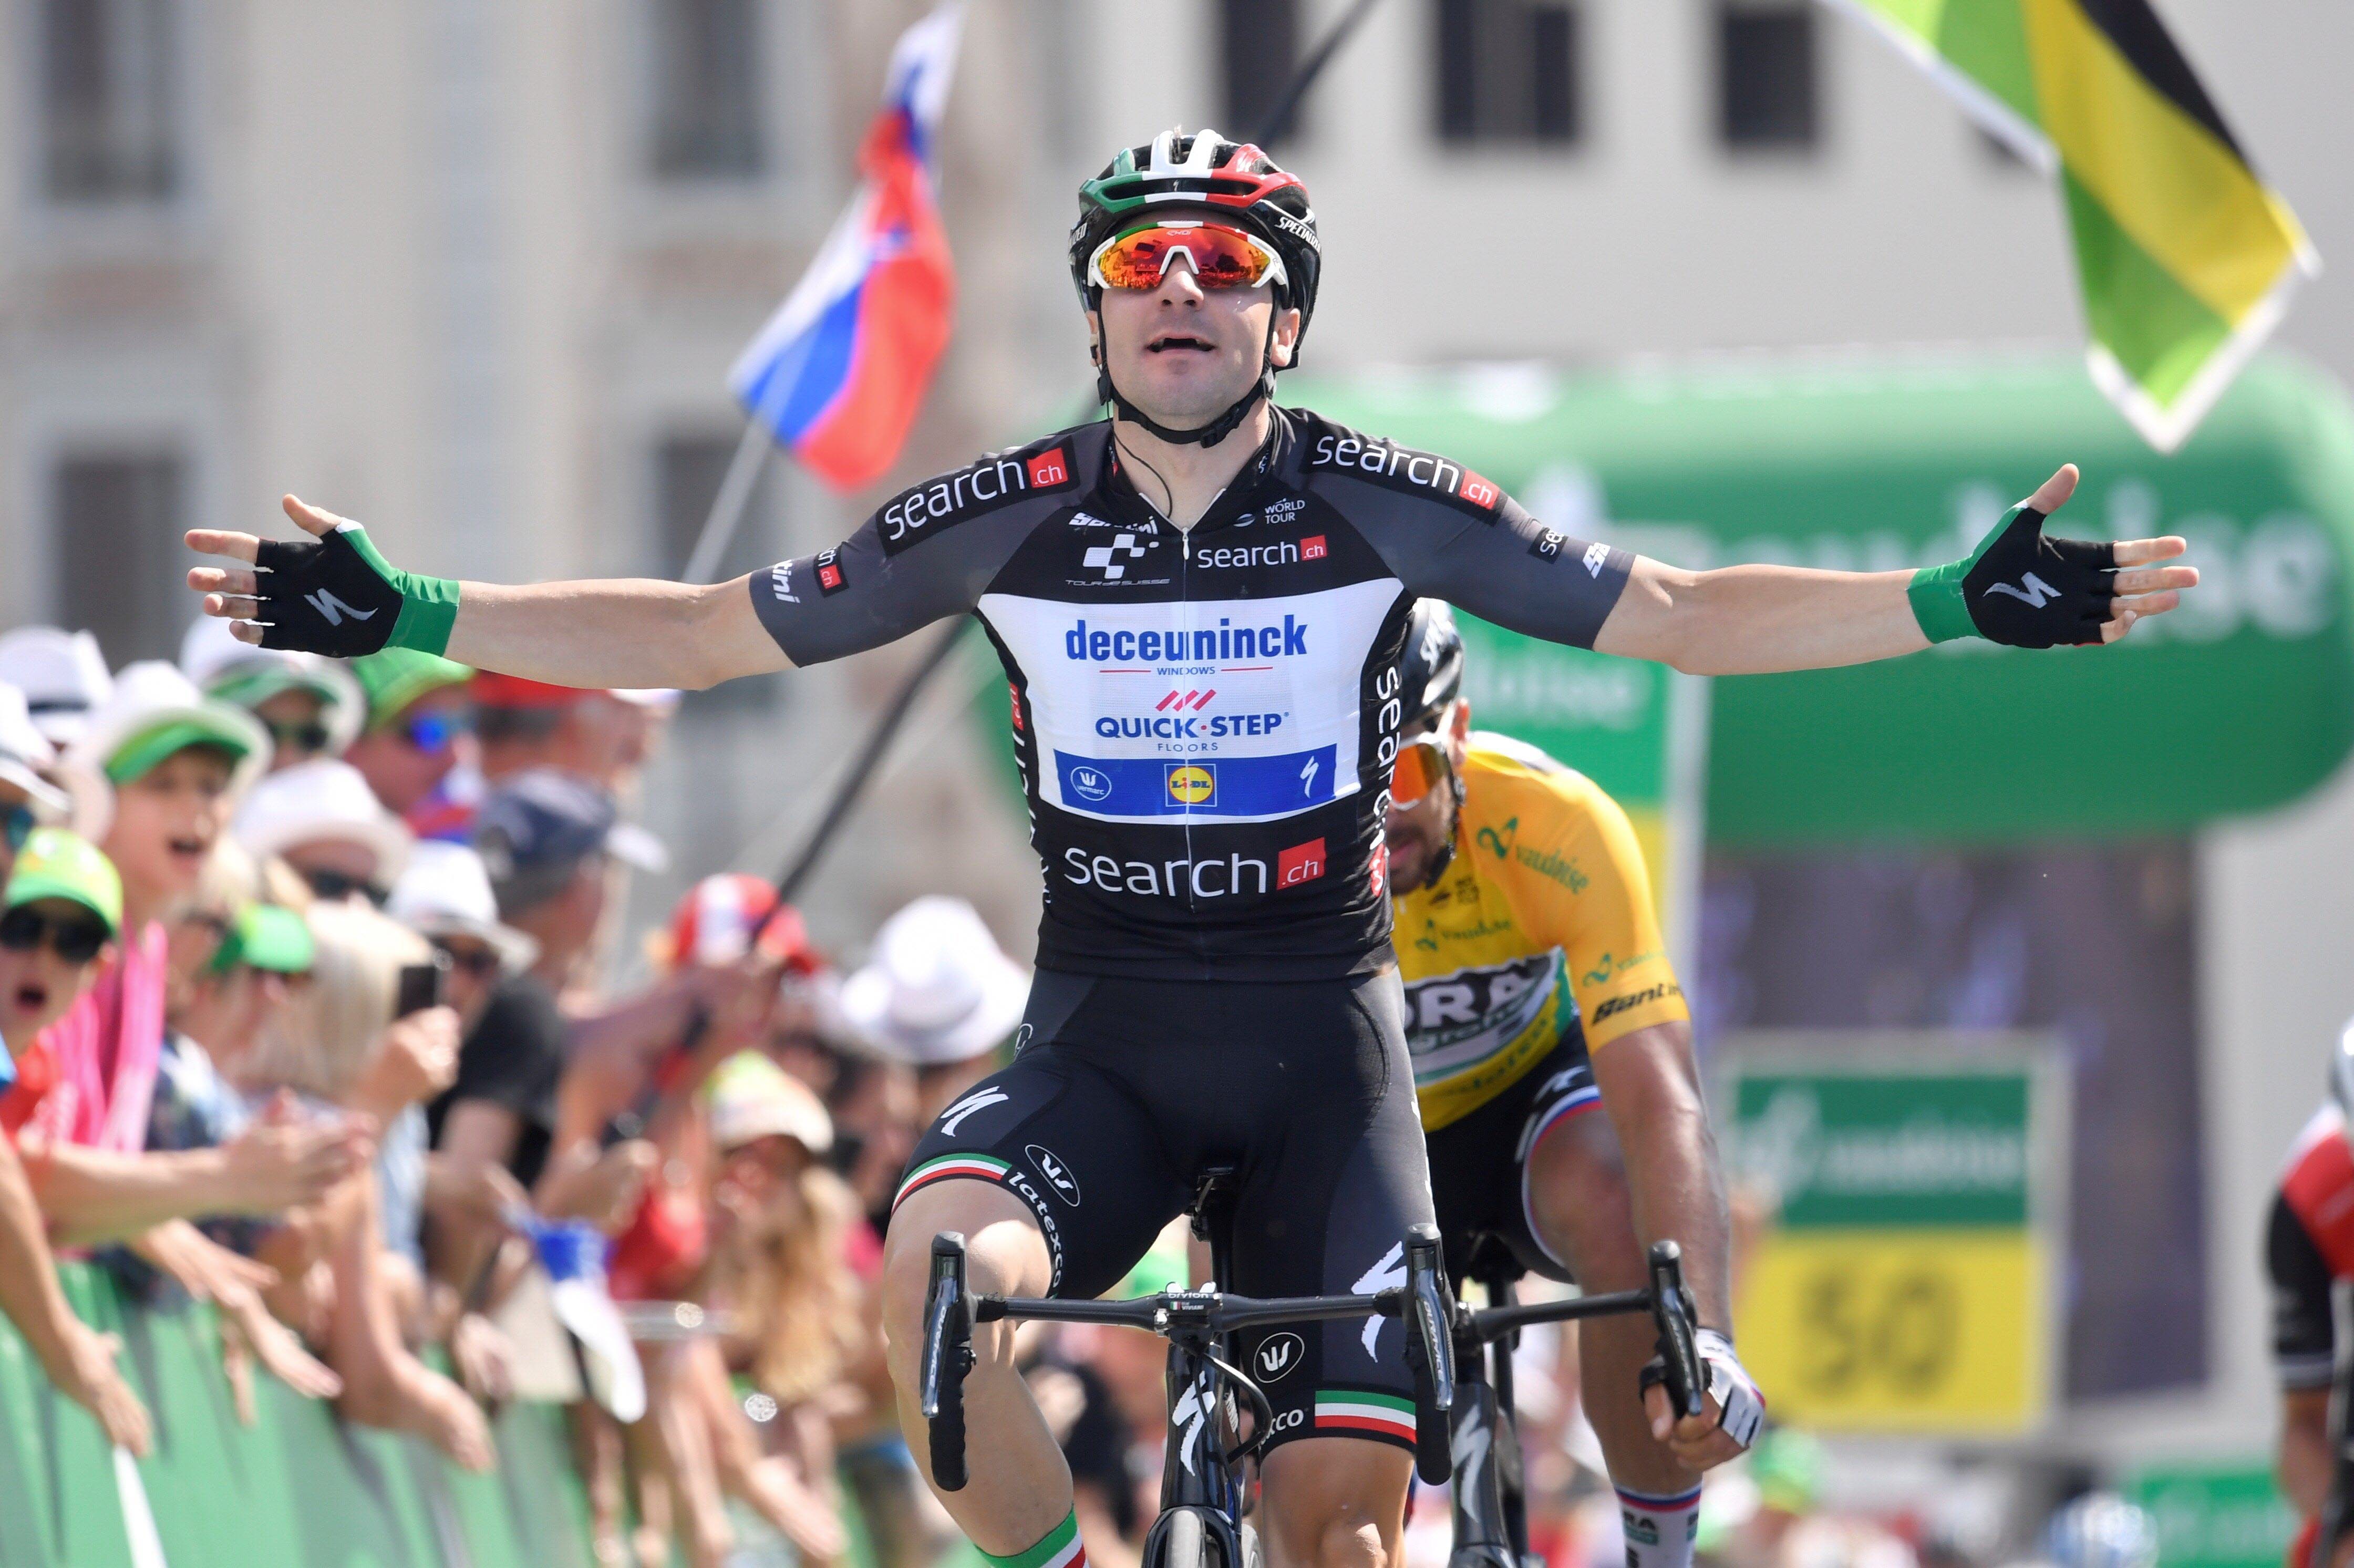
[340, 597]
[2017, 588]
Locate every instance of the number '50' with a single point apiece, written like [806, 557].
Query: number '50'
[1898, 1331]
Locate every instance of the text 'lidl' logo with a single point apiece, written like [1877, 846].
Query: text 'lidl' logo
[1193, 786]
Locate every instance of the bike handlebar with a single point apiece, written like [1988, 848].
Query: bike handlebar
[1679, 1349]
[1431, 1354]
[948, 1356]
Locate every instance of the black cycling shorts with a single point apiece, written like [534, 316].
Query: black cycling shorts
[1480, 1163]
[1125, 1091]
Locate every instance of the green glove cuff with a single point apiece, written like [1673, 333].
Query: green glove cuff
[429, 605]
[1935, 594]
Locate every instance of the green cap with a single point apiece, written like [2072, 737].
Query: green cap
[55, 864]
[250, 685]
[1787, 1467]
[396, 677]
[138, 755]
[1154, 1272]
[265, 937]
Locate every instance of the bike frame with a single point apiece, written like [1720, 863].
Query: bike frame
[1490, 1497]
[1202, 1469]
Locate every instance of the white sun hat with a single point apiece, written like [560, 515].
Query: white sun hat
[937, 989]
[319, 802]
[62, 674]
[25, 753]
[151, 711]
[239, 673]
[446, 892]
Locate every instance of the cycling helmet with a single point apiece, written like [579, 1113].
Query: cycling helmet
[1430, 670]
[2100, 1529]
[1204, 169]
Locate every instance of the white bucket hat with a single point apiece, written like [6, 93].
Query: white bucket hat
[62, 674]
[319, 800]
[937, 989]
[25, 753]
[229, 670]
[446, 892]
[152, 703]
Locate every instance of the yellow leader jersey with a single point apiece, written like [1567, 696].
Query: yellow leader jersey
[1544, 914]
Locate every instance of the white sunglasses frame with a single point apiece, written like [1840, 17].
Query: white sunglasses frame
[1274, 273]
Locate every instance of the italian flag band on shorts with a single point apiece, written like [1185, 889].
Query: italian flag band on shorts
[1353, 1412]
[987, 1167]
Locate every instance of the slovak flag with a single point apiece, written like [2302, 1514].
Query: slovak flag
[838, 372]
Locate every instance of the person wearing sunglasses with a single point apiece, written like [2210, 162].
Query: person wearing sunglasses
[1538, 991]
[1200, 603]
[312, 707]
[321, 818]
[59, 909]
[418, 718]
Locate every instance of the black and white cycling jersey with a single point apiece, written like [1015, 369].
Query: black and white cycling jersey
[1206, 719]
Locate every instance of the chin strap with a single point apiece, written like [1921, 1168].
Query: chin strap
[1217, 429]
[1445, 851]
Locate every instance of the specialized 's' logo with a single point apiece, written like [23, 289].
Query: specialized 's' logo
[2035, 593]
[335, 609]
[1057, 1174]
[978, 1100]
[1105, 558]
[1387, 1275]
[1278, 1354]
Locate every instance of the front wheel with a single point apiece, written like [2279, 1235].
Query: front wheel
[1181, 1539]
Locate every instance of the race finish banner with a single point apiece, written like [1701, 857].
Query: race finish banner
[1906, 1285]
[1639, 730]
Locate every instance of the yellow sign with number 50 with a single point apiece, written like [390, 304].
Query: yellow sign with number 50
[1928, 1329]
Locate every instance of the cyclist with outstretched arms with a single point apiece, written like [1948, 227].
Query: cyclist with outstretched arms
[1200, 604]
[1538, 992]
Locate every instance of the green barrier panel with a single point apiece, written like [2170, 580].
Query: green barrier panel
[297, 1488]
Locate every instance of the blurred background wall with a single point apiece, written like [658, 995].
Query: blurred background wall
[473, 272]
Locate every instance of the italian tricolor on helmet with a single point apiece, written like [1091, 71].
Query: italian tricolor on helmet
[1204, 169]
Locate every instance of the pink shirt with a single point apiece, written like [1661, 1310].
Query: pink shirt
[106, 1048]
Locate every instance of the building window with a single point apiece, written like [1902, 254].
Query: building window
[707, 120]
[116, 518]
[1767, 75]
[1258, 44]
[109, 100]
[1510, 70]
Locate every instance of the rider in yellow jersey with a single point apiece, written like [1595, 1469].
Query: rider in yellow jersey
[1538, 989]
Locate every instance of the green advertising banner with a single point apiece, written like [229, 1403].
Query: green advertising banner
[1906, 1285]
[2216, 1515]
[2244, 700]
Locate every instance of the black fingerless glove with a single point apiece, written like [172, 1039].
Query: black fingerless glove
[337, 596]
[2018, 587]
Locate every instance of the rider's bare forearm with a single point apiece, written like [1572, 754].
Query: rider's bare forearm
[1757, 619]
[614, 632]
[1652, 1090]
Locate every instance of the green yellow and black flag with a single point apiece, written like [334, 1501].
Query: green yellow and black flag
[2185, 258]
